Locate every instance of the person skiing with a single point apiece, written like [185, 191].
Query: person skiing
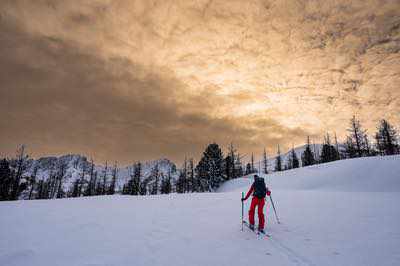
[259, 190]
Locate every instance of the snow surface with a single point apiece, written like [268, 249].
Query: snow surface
[342, 213]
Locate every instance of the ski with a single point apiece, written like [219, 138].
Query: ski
[255, 231]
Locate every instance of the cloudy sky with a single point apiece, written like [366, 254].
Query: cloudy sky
[138, 80]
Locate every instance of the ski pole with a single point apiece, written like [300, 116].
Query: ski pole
[273, 206]
[242, 208]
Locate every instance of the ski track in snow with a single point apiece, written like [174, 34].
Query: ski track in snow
[294, 256]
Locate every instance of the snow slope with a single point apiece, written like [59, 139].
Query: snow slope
[333, 221]
[370, 174]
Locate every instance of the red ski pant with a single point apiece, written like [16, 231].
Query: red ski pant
[259, 203]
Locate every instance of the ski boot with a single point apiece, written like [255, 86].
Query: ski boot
[261, 231]
[251, 226]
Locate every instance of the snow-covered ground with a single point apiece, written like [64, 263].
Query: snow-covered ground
[342, 213]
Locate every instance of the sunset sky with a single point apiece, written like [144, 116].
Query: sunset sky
[140, 80]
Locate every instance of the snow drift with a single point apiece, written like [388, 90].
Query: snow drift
[370, 174]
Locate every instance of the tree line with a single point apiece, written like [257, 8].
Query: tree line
[211, 171]
[357, 144]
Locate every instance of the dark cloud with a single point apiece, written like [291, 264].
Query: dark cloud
[58, 98]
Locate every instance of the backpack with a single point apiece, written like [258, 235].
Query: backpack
[260, 190]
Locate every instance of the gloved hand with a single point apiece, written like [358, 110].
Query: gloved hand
[242, 199]
[268, 192]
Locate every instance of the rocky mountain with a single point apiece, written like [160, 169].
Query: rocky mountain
[75, 164]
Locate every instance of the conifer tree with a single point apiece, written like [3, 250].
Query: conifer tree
[82, 179]
[210, 167]
[32, 181]
[166, 183]
[253, 170]
[328, 153]
[367, 146]
[155, 176]
[294, 161]
[143, 186]
[357, 135]
[181, 182]
[60, 177]
[387, 138]
[184, 178]
[75, 189]
[278, 161]
[191, 182]
[40, 189]
[307, 157]
[238, 167]
[20, 167]
[229, 163]
[99, 188]
[265, 162]
[248, 169]
[351, 151]
[137, 175]
[104, 185]
[111, 190]
[5, 179]
[201, 178]
[338, 156]
[90, 188]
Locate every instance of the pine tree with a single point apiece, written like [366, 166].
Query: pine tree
[155, 176]
[95, 183]
[357, 135]
[104, 185]
[229, 167]
[253, 170]
[5, 179]
[351, 151]
[191, 183]
[185, 176]
[329, 153]
[75, 189]
[40, 190]
[99, 188]
[367, 146]
[265, 162]
[238, 167]
[90, 188]
[82, 179]
[143, 186]
[278, 161]
[210, 167]
[137, 175]
[166, 183]
[307, 157]
[199, 177]
[387, 139]
[111, 190]
[248, 169]
[338, 157]
[229, 163]
[60, 177]
[52, 183]
[125, 188]
[20, 167]
[32, 181]
[294, 161]
[181, 182]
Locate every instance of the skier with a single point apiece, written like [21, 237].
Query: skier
[259, 191]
